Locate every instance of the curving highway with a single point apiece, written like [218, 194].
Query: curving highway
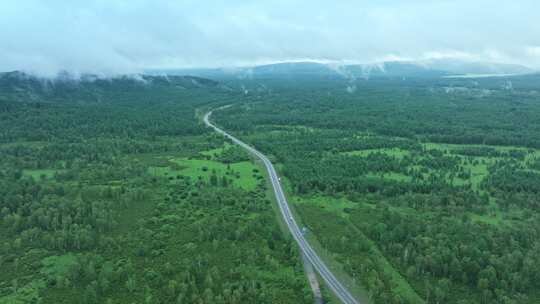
[332, 282]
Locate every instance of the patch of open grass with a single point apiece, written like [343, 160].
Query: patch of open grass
[399, 177]
[395, 152]
[335, 205]
[54, 266]
[241, 174]
[493, 219]
[40, 173]
[450, 147]
[217, 151]
[478, 172]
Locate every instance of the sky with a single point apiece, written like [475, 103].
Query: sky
[128, 36]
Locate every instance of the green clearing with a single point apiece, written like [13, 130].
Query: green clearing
[242, 174]
[332, 204]
[496, 219]
[214, 153]
[443, 146]
[394, 152]
[478, 171]
[54, 266]
[478, 166]
[393, 176]
[40, 174]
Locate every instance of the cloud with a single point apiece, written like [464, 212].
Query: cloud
[533, 51]
[127, 36]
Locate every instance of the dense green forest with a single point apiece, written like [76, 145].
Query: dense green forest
[425, 190]
[112, 191]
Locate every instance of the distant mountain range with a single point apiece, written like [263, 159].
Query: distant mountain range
[458, 67]
[431, 68]
[19, 86]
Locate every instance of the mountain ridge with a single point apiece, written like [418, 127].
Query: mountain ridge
[20, 86]
[422, 69]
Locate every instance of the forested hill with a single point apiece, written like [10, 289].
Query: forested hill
[18, 86]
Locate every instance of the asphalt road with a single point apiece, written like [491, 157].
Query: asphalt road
[331, 281]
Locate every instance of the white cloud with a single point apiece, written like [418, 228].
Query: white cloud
[126, 36]
[533, 51]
